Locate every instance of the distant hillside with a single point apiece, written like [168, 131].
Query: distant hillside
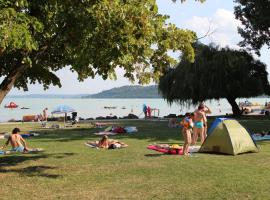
[49, 96]
[128, 92]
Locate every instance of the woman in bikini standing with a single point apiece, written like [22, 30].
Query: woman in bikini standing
[199, 121]
[206, 110]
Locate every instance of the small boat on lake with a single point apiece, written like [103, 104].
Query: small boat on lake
[110, 107]
[11, 105]
[24, 108]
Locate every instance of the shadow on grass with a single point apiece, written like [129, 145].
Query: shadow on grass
[33, 171]
[14, 160]
[66, 135]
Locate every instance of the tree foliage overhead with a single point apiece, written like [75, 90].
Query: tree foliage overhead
[93, 37]
[255, 18]
[216, 73]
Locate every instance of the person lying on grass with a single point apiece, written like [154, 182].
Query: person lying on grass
[107, 144]
[104, 142]
[16, 141]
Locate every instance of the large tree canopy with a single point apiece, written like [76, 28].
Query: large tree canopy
[255, 17]
[216, 73]
[93, 37]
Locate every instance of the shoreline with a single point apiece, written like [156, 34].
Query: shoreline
[250, 116]
[95, 109]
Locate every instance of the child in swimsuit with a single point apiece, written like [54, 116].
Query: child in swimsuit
[187, 124]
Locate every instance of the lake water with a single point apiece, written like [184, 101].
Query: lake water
[93, 108]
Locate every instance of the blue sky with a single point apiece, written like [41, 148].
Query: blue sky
[216, 14]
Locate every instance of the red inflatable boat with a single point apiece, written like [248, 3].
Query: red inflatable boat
[11, 105]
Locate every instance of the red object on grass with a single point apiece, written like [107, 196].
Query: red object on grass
[166, 150]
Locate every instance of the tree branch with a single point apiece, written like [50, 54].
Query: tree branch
[208, 33]
[9, 81]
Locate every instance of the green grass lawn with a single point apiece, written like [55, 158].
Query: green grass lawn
[68, 169]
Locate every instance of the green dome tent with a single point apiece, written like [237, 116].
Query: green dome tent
[228, 136]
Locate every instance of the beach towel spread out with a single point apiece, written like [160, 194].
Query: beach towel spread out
[33, 150]
[165, 150]
[171, 149]
[131, 129]
[260, 137]
[29, 135]
[2, 152]
[117, 130]
[105, 133]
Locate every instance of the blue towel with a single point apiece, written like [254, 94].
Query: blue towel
[260, 138]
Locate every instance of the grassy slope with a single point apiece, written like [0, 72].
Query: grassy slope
[70, 170]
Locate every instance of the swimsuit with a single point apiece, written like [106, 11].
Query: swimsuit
[198, 124]
[187, 123]
[18, 149]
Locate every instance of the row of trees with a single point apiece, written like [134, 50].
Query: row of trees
[37, 38]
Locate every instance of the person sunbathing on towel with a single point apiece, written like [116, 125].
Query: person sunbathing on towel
[103, 143]
[106, 143]
[17, 142]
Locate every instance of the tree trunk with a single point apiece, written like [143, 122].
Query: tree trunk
[9, 81]
[235, 108]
